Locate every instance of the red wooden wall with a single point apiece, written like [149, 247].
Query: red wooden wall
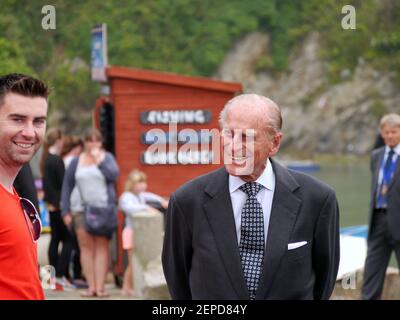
[133, 92]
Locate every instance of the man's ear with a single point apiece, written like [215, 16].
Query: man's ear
[276, 143]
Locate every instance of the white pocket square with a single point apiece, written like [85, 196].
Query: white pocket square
[296, 245]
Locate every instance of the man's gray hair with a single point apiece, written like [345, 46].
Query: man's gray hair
[391, 119]
[253, 100]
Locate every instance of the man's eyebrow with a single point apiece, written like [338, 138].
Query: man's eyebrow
[24, 116]
[17, 115]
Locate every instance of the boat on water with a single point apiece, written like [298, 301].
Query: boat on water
[301, 165]
[353, 249]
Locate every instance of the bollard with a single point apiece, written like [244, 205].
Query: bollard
[148, 277]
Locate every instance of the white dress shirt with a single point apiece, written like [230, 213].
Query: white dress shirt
[264, 196]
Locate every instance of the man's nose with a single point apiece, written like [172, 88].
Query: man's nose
[239, 142]
[29, 131]
[238, 145]
[236, 140]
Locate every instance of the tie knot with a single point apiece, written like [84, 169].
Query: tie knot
[391, 152]
[251, 188]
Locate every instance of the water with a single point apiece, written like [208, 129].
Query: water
[352, 186]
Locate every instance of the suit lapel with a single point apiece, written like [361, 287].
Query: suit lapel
[285, 207]
[220, 216]
[396, 172]
[377, 168]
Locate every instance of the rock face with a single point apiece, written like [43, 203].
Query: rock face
[239, 64]
[318, 116]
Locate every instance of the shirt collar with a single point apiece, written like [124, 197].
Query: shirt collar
[396, 150]
[266, 179]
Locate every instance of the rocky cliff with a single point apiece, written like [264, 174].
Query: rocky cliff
[318, 116]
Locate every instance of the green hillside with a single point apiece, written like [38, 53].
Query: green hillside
[184, 36]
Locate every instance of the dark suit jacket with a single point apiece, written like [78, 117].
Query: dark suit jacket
[393, 195]
[201, 257]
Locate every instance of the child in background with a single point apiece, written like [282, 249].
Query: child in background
[134, 200]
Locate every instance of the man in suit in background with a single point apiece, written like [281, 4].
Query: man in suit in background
[252, 229]
[384, 216]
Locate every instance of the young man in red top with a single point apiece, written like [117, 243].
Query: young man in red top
[23, 111]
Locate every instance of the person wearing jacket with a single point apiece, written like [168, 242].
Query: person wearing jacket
[89, 180]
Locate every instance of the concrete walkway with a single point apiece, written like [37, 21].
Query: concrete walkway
[115, 294]
[74, 294]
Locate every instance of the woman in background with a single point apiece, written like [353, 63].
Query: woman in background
[72, 147]
[132, 201]
[52, 169]
[89, 180]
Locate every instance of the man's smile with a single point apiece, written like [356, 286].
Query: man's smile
[24, 145]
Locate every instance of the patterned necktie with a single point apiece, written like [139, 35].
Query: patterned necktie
[252, 237]
[383, 188]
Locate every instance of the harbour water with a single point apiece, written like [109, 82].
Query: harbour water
[352, 185]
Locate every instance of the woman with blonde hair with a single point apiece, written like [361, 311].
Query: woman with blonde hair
[132, 201]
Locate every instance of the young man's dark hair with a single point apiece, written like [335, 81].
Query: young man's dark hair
[23, 114]
[23, 85]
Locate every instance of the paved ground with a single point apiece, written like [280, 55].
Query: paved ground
[74, 294]
[115, 294]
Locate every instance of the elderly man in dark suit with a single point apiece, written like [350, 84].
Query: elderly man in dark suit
[252, 229]
[384, 216]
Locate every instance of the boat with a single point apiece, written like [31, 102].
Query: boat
[353, 249]
[301, 165]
